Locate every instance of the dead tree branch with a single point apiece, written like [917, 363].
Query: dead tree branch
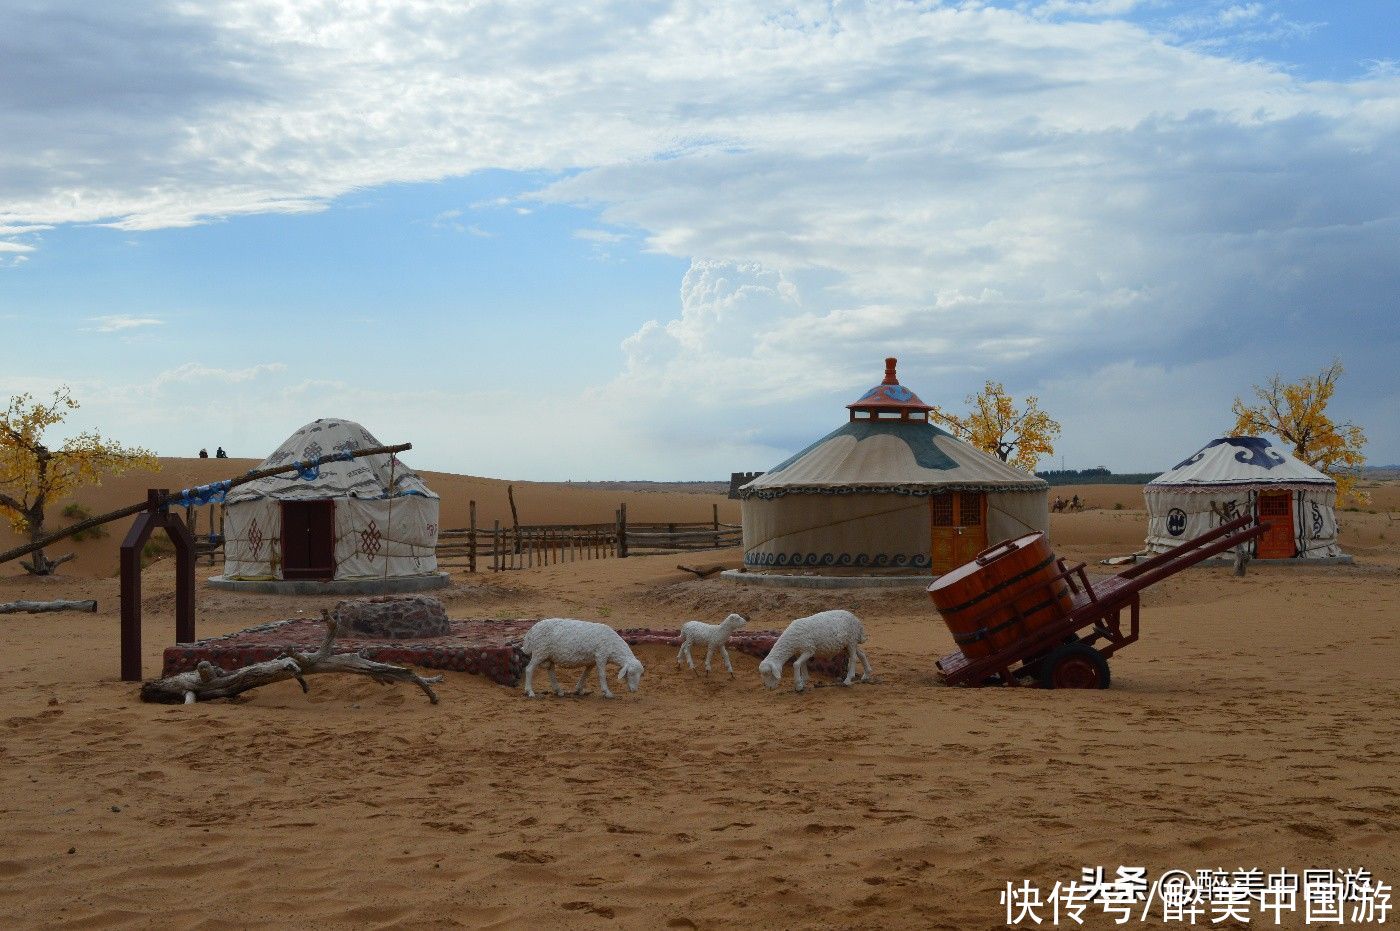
[208, 682]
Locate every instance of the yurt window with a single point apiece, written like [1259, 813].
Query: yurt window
[941, 508]
[971, 510]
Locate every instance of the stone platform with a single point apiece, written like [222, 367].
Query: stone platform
[489, 648]
[383, 586]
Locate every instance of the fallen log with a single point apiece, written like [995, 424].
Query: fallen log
[35, 607]
[701, 572]
[207, 682]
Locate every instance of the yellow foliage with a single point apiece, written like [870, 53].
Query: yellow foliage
[1297, 414]
[32, 474]
[995, 426]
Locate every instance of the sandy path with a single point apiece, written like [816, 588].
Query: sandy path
[1256, 724]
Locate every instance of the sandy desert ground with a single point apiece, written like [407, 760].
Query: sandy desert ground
[1256, 725]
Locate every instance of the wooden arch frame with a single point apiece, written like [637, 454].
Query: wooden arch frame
[157, 515]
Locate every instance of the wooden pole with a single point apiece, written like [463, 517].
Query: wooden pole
[496, 547]
[622, 531]
[471, 540]
[514, 518]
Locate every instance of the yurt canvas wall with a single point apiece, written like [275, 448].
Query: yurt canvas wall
[385, 519]
[1234, 476]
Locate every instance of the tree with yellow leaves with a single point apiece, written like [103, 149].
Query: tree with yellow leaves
[995, 426]
[1297, 414]
[32, 475]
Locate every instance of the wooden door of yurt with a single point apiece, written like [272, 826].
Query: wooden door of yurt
[957, 528]
[1276, 508]
[308, 539]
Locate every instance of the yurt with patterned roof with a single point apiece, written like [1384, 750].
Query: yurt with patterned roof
[364, 519]
[1236, 475]
[886, 493]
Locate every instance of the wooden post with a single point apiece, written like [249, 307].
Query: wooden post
[496, 547]
[156, 516]
[514, 518]
[471, 539]
[622, 531]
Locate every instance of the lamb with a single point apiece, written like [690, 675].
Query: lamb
[824, 634]
[567, 642]
[713, 636]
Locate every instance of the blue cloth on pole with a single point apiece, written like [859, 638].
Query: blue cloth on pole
[202, 494]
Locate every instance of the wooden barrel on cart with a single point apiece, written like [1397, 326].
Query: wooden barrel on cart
[1006, 593]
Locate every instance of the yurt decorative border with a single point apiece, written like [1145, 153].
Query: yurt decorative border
[887, 492]
[385, 520]
[1236, 475]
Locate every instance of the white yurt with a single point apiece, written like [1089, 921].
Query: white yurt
[886, 493]
[367, 518]
[1237, 475]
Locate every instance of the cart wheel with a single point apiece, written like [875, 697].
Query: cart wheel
[1074, 666]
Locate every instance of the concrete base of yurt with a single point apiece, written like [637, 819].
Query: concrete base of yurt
[391, 585]
[827, 581]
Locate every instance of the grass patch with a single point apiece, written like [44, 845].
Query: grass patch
[76, 513]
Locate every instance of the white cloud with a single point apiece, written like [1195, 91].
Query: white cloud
[599, 236]
[116, 323]
[1019, 193]
[15, 246]
[197, 372]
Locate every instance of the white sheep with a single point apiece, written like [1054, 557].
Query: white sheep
[567, 642]
[713, 636]
[824, 634]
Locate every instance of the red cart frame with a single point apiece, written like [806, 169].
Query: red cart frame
[1057, 655]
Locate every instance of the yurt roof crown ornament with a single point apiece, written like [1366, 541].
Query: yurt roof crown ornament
[889, 400]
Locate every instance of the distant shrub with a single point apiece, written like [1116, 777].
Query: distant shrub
[1118, 505]
[156, 549]
[76, 513]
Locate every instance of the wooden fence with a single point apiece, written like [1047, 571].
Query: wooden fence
[502, 548]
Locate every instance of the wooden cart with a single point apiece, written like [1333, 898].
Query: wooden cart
[1073, 652]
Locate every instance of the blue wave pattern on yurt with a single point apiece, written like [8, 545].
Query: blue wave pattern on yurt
[821, 560]
[1254, 451]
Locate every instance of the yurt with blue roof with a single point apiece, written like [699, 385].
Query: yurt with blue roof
[366, 518]
[1236, 475]
[886, 493]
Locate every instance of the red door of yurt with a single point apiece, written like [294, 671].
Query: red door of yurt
[1276, 508]
[957, 528]
[308, 539]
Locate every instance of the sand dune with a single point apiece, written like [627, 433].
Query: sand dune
[1256, 724]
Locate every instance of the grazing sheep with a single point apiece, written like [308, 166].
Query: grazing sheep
[713, 636]
[567, 642]
[823, 634]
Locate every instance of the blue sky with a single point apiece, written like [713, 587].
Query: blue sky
[653, 241]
